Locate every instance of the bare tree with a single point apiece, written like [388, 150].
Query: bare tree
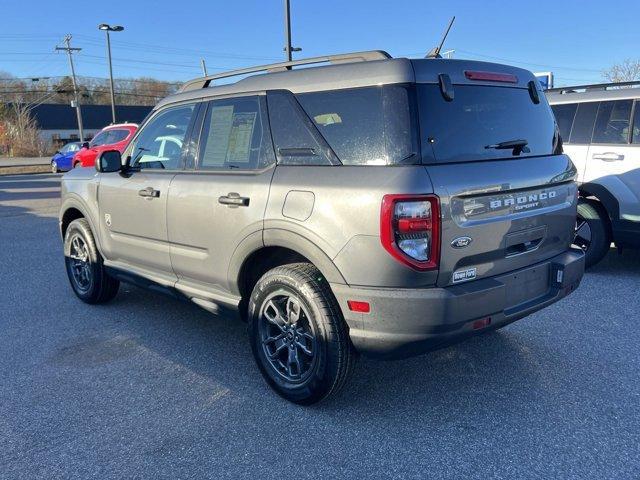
[20, 132]
[627, 71]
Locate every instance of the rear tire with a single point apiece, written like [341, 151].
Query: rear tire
[85, 267]
[593, 232]
[298, 336]
[54, 167]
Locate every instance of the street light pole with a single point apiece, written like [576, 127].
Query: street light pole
[107, 29]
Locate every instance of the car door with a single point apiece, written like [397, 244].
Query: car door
[221, 202]
[611, 151]
[133, 205]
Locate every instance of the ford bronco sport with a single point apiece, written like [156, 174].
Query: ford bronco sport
[372, 205]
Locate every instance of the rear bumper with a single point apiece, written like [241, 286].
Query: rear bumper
[407, 322]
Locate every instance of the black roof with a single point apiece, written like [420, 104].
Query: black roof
[52, 116]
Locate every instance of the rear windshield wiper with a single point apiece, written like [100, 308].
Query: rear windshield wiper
[517, 146]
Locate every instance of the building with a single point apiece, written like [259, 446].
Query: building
[58, 123]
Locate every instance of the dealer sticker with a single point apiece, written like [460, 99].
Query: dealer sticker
[464, 275]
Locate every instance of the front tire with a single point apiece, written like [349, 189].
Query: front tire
[85, 267]
[298, 336]
[593, 234]
[54, 167]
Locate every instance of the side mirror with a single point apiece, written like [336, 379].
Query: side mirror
[110, 161]
[85, 145]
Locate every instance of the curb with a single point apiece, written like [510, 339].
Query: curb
[22, 169]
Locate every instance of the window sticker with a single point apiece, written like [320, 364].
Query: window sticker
[218, 137]
[239, 147]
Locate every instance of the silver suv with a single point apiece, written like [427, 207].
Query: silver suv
[600, 129]
[372, 205]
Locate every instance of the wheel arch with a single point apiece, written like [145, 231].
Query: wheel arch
[260, 253]
[72, 209]
[604, 196]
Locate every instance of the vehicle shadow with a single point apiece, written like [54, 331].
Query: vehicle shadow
[627, 263]
[216, 348]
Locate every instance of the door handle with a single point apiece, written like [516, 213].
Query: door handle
[608, 156]
[149, 192]
[234, 199]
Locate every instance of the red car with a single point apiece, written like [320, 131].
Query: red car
[113, 137]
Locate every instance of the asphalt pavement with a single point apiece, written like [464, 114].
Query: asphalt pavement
[150, 387]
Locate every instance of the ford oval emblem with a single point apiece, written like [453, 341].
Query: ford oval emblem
[461, 242]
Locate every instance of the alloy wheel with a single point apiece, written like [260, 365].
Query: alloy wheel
[582, 237]
[288, 337]
[80, 263]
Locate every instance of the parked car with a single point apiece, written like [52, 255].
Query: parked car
[62, 159]
[113, 137]
[600, 128]
[375, 205]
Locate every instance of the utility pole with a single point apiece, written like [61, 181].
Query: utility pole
[204, 67]
[288, 49]
[67, 48]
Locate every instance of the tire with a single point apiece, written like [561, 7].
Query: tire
[316, 323]
[77, 164]
[593, 232]
[54, 167]
[85, 267]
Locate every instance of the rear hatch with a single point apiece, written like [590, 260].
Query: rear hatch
[492, 151]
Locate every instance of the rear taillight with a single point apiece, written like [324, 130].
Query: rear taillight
[410, 229]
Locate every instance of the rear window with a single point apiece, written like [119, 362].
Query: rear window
[365, 126]
[480, 118]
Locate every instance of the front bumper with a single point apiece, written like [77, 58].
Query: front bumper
[407, 322]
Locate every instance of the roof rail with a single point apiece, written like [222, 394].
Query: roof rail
[204, 82]
[595, 86]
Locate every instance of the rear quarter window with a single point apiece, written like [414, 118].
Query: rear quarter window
[366, 126]
[564, 118]
[583, 123]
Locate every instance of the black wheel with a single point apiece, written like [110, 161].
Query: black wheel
[593, 233]
[85, 269]
[298, 336]
[54, 167]
[77, 165]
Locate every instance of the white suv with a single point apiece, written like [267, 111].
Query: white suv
[600, 128]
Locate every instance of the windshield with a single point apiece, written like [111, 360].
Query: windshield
[483, 123]
[70, 147]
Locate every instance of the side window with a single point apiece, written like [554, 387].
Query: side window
[116, 135]
[564, 117]
[365, 126]
[583, 123]
[296, 140]
[234, 135]
[99, 139]
[636, 123]
[168, 126]
[612, 122]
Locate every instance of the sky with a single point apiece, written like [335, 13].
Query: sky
[576, 40]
